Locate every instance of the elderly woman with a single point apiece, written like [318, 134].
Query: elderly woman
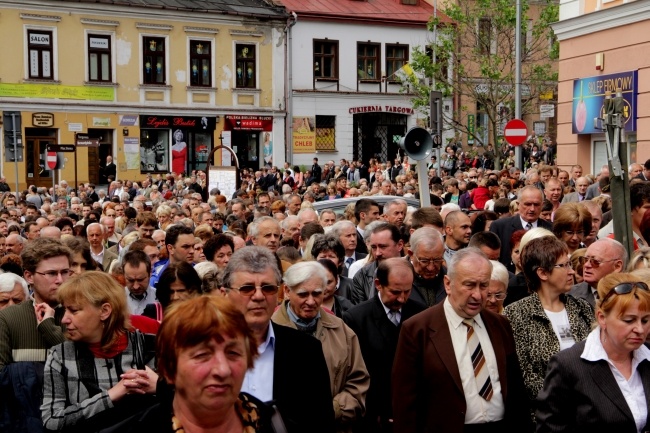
[304, 290]
[13, 290]
[95, 379]
[219, 249]
[498, 288]
[601, 384]
[204, 349]
[572, 222]
[549, 320]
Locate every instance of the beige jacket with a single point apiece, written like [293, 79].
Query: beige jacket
[349, 377]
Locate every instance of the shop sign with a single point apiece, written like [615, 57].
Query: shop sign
[589, 97]
[304, 135]
[471, 125]
[102, 121]
[129, 120]
[56, 91]
[248, 123]
[183, 122]
[546, 111]
[43, 120]
[75, 127]
[381, 109]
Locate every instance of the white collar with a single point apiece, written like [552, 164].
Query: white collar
[594, 350]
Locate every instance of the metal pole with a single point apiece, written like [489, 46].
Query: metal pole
[13, 126]
[519, 156]
[75, 162]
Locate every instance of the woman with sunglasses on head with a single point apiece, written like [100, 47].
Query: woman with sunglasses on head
[549, 320]
[603, 383]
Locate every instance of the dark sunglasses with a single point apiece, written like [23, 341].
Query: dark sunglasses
[249, 289]
[624, 289]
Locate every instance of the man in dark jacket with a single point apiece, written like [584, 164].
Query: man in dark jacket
[316, 171]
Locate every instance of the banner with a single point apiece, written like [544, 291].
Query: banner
[304, 135]
[248, 123]
[589, 96]
[52, 91]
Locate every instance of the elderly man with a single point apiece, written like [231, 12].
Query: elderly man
[553, 192]
[347, 234]
[14, 244]
[603, 257]
[426, 255]
[265, 232]
[291, 229]
[13, 290]
[385, 242]
[95, 235]
[470, 380]
[580, 193]
[395, 212]
[290, 362]
[530, 207]
[327, 218]
[594, 190]
[377, 323]
[306, 216]
[293, 204]
[51, 232]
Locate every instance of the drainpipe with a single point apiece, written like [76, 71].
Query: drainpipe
[288, 97]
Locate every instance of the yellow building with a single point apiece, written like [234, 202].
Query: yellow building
[154, 87]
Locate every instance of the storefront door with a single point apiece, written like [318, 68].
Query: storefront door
[245, 145]
[38, 173]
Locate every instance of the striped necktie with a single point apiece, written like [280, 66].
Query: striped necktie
[481, 374]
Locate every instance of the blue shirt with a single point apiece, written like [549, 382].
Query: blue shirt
[258, 381]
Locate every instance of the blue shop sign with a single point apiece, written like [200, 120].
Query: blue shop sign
[589, 97]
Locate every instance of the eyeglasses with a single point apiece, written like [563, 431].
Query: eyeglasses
[500, 296]
[595, 263]
[427, 262]
[249, 289]
[624, 289]
[572, 233]
[568, 266]
[53, 274]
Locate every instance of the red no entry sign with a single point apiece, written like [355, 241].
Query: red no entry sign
[515, 132]
[51, 160]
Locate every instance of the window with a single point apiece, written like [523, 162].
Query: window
[40, 54]
[368, 61]
[200, 63]
[325, 132]
[99, 58]
[154, 150]
[326, 55]
[484, 37]
[396, 57]
[153, 61]
[246, 66]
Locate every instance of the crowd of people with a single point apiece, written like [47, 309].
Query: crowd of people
[164, 306]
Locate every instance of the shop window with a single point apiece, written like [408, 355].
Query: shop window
[200, 63]
[326, 133]
[396, 57]
[326, 59]
[368, 61]
[154, 150]
[41, 54]
[246, 66]
[99, 58]
[153, 60]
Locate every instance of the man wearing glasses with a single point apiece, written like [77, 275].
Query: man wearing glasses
[426, 254]
[288, 359]
[603, 257]
[27, 330]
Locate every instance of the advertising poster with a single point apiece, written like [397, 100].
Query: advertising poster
[589, 96]
[304, 135]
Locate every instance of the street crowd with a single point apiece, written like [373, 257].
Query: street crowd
[161, 305]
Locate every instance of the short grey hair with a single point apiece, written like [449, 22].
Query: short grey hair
[253, 228]
[289, 219]
[500, 273]
[461, 255]
[304, 271]
[394, 202]
[8, 281]
[428, 237]
[256, 260]
[339, 226]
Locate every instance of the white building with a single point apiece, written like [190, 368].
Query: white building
[346, 99]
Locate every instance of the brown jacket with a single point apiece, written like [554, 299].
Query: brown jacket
[349, 377]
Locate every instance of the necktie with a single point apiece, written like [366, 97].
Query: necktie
[348, 262]
[393, 317]
[581, 197]
[481, 374]
[529, 226]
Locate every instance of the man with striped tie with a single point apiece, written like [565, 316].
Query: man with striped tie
[456, 370]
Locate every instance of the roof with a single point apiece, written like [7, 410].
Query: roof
[259, 8]
[387, 11]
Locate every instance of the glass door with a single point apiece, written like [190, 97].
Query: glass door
[38, 173]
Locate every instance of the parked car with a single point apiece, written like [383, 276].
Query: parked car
[338, 205]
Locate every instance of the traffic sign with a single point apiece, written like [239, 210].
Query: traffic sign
[515, 132]
[51, 160]
[60, 148]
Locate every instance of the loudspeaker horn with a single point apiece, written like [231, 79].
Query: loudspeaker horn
[417, 143]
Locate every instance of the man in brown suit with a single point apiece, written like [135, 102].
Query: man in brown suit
[456, 370]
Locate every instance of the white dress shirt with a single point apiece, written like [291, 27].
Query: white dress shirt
[258, 381]
[479, 410]
[136, 306]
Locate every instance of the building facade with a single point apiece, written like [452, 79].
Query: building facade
[603, 46]
[346, 56]
[156, 88]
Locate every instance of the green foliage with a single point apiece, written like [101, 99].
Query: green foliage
[475, 58]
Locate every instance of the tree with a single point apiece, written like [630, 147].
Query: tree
[475, 63]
